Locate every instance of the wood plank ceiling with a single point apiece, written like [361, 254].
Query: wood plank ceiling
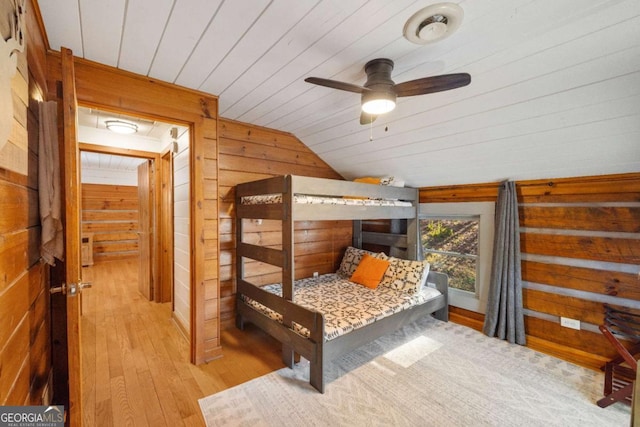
[555, 88]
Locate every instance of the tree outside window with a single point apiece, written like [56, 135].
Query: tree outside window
[450, 245]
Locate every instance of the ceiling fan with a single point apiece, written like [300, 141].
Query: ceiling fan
[379, 92]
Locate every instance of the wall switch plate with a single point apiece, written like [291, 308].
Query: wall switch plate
[570, 323]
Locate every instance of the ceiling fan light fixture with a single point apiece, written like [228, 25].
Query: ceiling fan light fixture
[120, 126]
[377, 103]
[433, 23]
[379, 93]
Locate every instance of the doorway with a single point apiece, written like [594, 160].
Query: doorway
[142, 189]
[118, 315]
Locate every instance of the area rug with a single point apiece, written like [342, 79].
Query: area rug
[430, 373]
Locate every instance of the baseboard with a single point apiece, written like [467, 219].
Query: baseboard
[569, 354]
[183, 331]
[213, 353]
[579, 357]
[465, 321]
[467, 318]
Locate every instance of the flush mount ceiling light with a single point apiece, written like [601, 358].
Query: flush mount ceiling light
[433, 23]
[120, 126]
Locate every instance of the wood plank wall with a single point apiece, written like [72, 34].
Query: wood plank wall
[580, 244]
[205, 199]
[25, 361]
[248, 153]
[110, 212]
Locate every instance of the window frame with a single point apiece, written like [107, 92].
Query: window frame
[485, 211]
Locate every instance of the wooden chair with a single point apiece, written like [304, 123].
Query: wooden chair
[620, 373]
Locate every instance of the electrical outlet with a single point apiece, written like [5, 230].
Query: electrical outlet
[570, 323]
[315, 274]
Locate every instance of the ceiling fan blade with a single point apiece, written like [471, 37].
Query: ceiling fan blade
[366, 118]
[432, 84]
[334, 84]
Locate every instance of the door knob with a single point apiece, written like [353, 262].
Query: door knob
[59, 289]
[72, 289]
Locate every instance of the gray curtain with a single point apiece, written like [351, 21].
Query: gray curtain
[504, 317]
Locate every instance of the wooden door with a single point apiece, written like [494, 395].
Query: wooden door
[145, 220]
[72, 263]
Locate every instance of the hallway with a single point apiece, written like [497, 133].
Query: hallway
[135, 360]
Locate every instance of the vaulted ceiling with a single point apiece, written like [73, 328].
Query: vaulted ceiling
[555, 87]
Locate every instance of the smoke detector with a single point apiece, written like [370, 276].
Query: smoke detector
[433, 23]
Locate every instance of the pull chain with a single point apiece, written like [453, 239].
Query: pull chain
[370, 127]
[386, 129]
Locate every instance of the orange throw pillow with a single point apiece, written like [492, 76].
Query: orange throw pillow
[368, 180]
[370, 271]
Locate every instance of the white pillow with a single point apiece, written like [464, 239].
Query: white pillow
[392, 181]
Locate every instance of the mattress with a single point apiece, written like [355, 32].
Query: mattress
[322, 200]
[345, 305]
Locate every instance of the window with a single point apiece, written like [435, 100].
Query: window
[457, 239]
[451, 247]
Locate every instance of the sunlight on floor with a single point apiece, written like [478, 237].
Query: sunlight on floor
[409, 353]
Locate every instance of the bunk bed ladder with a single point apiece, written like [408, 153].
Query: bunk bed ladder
[403, 238]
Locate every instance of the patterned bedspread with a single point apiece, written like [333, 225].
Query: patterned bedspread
[345, 305]
[318, 200]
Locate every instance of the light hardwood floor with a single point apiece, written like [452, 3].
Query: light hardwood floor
[135, 361]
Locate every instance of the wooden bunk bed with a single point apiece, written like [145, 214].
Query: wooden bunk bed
[279, 202]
